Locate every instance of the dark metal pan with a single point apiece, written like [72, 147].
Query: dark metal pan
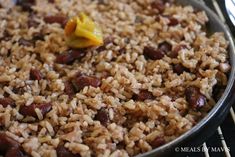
[208, 125]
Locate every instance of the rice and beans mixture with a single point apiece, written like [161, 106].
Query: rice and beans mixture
[158, 73]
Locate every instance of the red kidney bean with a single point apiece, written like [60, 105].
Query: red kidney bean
[7, 101]
[81, 81]
[26, 5]
[7, 143]
[165, 46]
[35, 74]
[153, 53]
[194, 97]
[25, 42]
[157, 18]
[179, 69]
[30, 110]
[69, 89]
[143, 95]
[14, 152]
[102, 116]
[174, 53]
[159, 5]
[51, 1]
[10, 147]
[70, 56]
[173, 21]
[158, 141]
[64, 58]
[62, 20]
[64, 152]
[77, 54]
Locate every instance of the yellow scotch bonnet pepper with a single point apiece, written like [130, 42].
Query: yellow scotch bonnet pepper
[82, 32]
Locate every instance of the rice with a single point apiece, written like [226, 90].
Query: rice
[39, 114]
[157, 75]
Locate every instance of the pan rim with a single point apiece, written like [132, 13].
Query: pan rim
[221, 103]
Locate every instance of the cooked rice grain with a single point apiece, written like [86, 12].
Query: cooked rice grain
[137, 101]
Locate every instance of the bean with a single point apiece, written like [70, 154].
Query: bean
[173, 21]
[179, 69]
[26, 5]
[7, 143]
[69, 89]
[157, 18]
[174, 53]
[81, 81]
[77, 54]
[158, 5]
[30, 110]
[158, 141]
[35, 74]
[14, 152]
[64, 58]
[70, 56]
[165, 46]
[10, 147]
[62, 20]
[143, 95]
[7, 101]
[102, 116]
[51, 1]
[64, 152]
[153, 53]
[194, 97]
